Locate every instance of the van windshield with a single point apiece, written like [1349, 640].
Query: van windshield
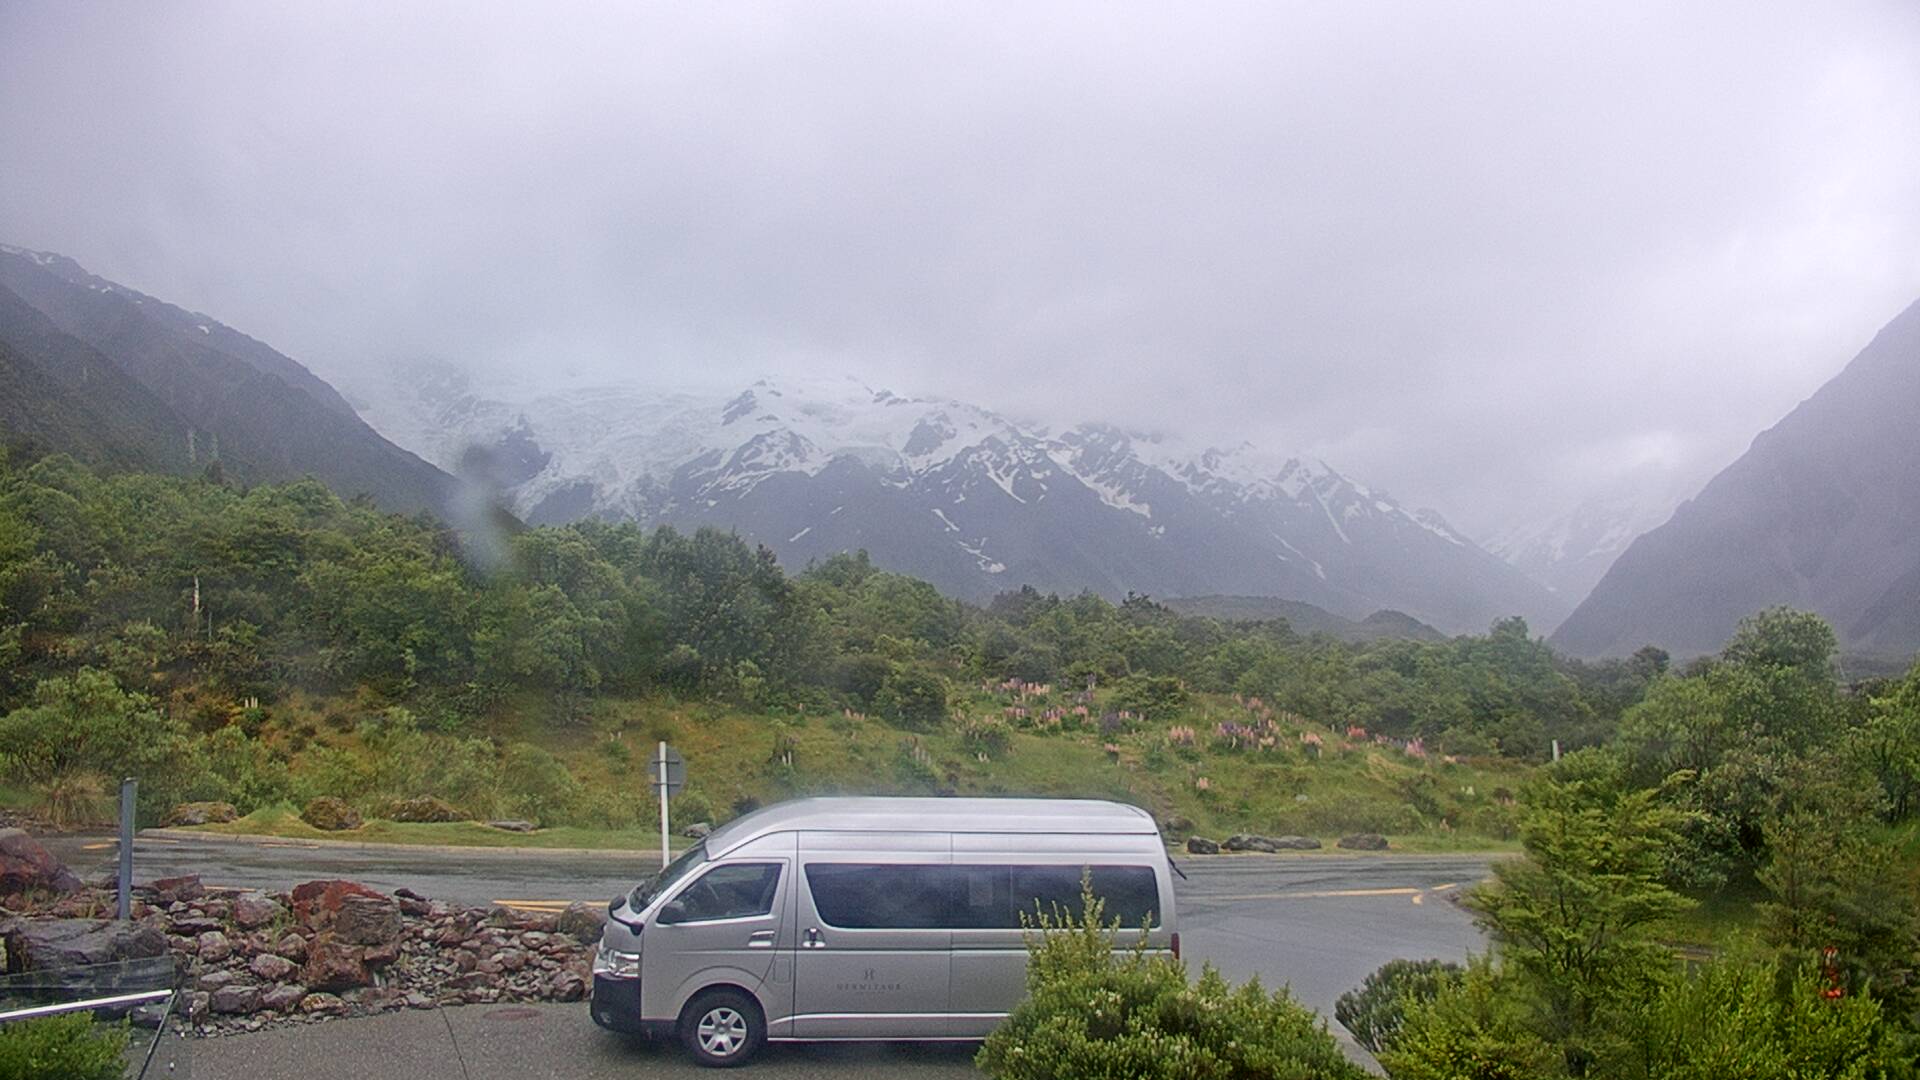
[688, 861]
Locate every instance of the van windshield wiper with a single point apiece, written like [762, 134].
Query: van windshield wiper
[1177, 870]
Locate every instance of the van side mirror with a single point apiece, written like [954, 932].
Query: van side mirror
[674, 911]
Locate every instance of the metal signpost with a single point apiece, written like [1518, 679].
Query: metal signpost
[669, 776]
[125, 877]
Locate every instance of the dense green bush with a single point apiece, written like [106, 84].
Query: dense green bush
[1094, 1012]
[72, 1047]
[1374, 1011]
[1477, 1028]
[1754, 1021]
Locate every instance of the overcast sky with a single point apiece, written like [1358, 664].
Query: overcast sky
[1487, 257]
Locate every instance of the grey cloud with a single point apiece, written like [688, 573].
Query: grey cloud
[1486, 257]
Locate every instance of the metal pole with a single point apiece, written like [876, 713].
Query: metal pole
[661, 760]
[127, 787]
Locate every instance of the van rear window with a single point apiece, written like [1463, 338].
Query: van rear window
[873, 896]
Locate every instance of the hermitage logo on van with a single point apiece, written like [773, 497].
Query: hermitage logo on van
[866, 985]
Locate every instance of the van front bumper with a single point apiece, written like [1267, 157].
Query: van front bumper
[615, 1005]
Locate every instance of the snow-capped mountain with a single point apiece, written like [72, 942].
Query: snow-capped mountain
[1570, 552]
[961, 496]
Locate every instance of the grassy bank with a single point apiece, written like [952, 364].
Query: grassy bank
[1229, 766]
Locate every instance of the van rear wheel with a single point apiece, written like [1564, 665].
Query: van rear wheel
[722, 1028]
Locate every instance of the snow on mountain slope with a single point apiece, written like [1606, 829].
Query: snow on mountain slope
[1570, 551]
[969, 499]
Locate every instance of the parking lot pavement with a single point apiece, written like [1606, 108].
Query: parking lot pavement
[1317, 923]
[514, 1041]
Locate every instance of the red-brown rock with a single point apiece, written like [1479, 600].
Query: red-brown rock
[333, 964]
[316, 902]
[25, 866]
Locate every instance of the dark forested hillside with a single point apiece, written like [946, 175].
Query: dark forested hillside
[253, 593]
[125, 378]
[1822, 514]
[1305, 618]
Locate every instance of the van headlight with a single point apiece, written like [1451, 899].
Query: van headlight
[614, 964]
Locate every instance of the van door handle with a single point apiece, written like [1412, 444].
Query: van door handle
[760, 939]
[812, 940]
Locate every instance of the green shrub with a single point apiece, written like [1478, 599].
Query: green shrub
[1092, 1012]
[986, 737]
[1476, 1028]
[537, 786]
[913, 698]
[1753, 1021]
[1374, 1012]
[72, 1047]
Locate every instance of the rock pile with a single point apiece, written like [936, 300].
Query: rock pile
[328, 948]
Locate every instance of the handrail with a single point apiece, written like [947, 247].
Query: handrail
[91, 1003]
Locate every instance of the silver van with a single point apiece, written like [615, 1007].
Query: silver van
[865, 918]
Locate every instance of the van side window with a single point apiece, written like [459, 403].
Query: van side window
[866, 896]
[1130, 893]
[732, 891]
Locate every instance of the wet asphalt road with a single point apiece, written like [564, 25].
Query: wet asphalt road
[1318, 923]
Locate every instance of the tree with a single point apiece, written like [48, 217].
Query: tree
[913, 697]
[81, 735]
[1888, 745]
[1575, 918]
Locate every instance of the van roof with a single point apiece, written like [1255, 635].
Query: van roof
[891, 814]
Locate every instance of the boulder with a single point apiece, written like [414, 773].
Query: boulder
[292, 946]
[176, 889]
[424, 808]
[699, 830]
[201, 813]
[315, 903]
[322, 1005]
[512, 825]
[215, 979]
[582, 921]
[566, 986]
[252, 911]
[1296, 843]
[1249, 842]
[198, 1004]
[270, 968]
[1364, 842]
[42, 944]
[236, 999]
[25, 866]
[1177, 825]
[330, 814]
[213, 947]
[367, 920]
[283, 998]
[1200, 845]
[333, 964]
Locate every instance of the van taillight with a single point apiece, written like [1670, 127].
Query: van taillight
[1176, 944]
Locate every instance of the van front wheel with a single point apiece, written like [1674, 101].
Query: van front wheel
[722, 1028]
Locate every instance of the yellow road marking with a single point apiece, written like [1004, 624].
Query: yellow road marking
[1448, 885]
[1418, 899]
[1330, 894]
[100, 846]
[536, 905]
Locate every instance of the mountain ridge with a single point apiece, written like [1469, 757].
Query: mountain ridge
[967, 498]
[188, 390]
[1821, 513]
